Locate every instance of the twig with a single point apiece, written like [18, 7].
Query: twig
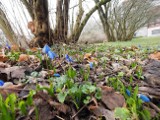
[13, 89]
[149, 90]
[154, 107]
[74, 112]
[79, 111]
[59, 117]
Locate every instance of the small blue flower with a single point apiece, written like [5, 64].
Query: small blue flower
[52, 55]
[68, 58]
[1, 83]
[8, 46]
[144, 98]
[128, 92]
[46, 49]
[56, 75]
[91, 65]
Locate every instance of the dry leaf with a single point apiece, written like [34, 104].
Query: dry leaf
[23, 57]
[34, 49]
[93, 105]
[4, 65]
[9, 88]
[107, 89]
[155, 56]
[90, 58]
[3, 58]
[87, 56]
[112, 99]
[33, 58]
[15, 48]
[102, 111]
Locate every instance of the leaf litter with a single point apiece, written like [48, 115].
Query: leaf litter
[76, 85]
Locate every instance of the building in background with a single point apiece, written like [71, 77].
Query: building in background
[153, 26]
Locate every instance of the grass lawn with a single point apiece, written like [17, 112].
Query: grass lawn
[143, 41]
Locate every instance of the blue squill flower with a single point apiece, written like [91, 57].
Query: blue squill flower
[128, 92]
[91, 65]
[46, 49]
[52, 55]
[144, 98]
[1, 83]
[56, 75]
[68, 58]
[8, 46]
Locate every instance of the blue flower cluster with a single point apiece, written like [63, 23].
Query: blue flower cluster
[68, 58]
[144, 98]
[8, 46]
[47, 50]
[52, 55]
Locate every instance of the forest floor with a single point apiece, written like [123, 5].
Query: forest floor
[81, 82]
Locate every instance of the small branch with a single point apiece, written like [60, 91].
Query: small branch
[154, 107]
[150, 90]
[79, 111]
[59, 117]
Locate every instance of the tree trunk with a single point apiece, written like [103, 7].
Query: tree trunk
[76, 34]
[40, 24]
[61, 30]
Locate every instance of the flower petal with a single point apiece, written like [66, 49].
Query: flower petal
[46, 49]
[91, 65]
[68, 58]
[144, 98]
[56, 75]
[8, 46]
[1, 83]
[52, 55]
[128, 92]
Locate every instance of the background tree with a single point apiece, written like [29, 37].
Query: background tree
[6, 27]
[122, 19]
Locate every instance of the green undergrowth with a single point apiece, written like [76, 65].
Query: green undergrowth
[64, 89]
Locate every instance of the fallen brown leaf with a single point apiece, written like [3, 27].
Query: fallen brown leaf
[101, 111]
[93, 105]
[3, 58]
[23, 57]
[4, 65]
[155, 56]
[112, 99]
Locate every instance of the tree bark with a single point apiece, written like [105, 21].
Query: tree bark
[29, 7]
[61, 30]
[40, 23]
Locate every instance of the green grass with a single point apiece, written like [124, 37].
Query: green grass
[151, 42]
[143, 41]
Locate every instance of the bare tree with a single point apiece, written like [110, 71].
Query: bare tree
[41, 28]
[122, 19]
